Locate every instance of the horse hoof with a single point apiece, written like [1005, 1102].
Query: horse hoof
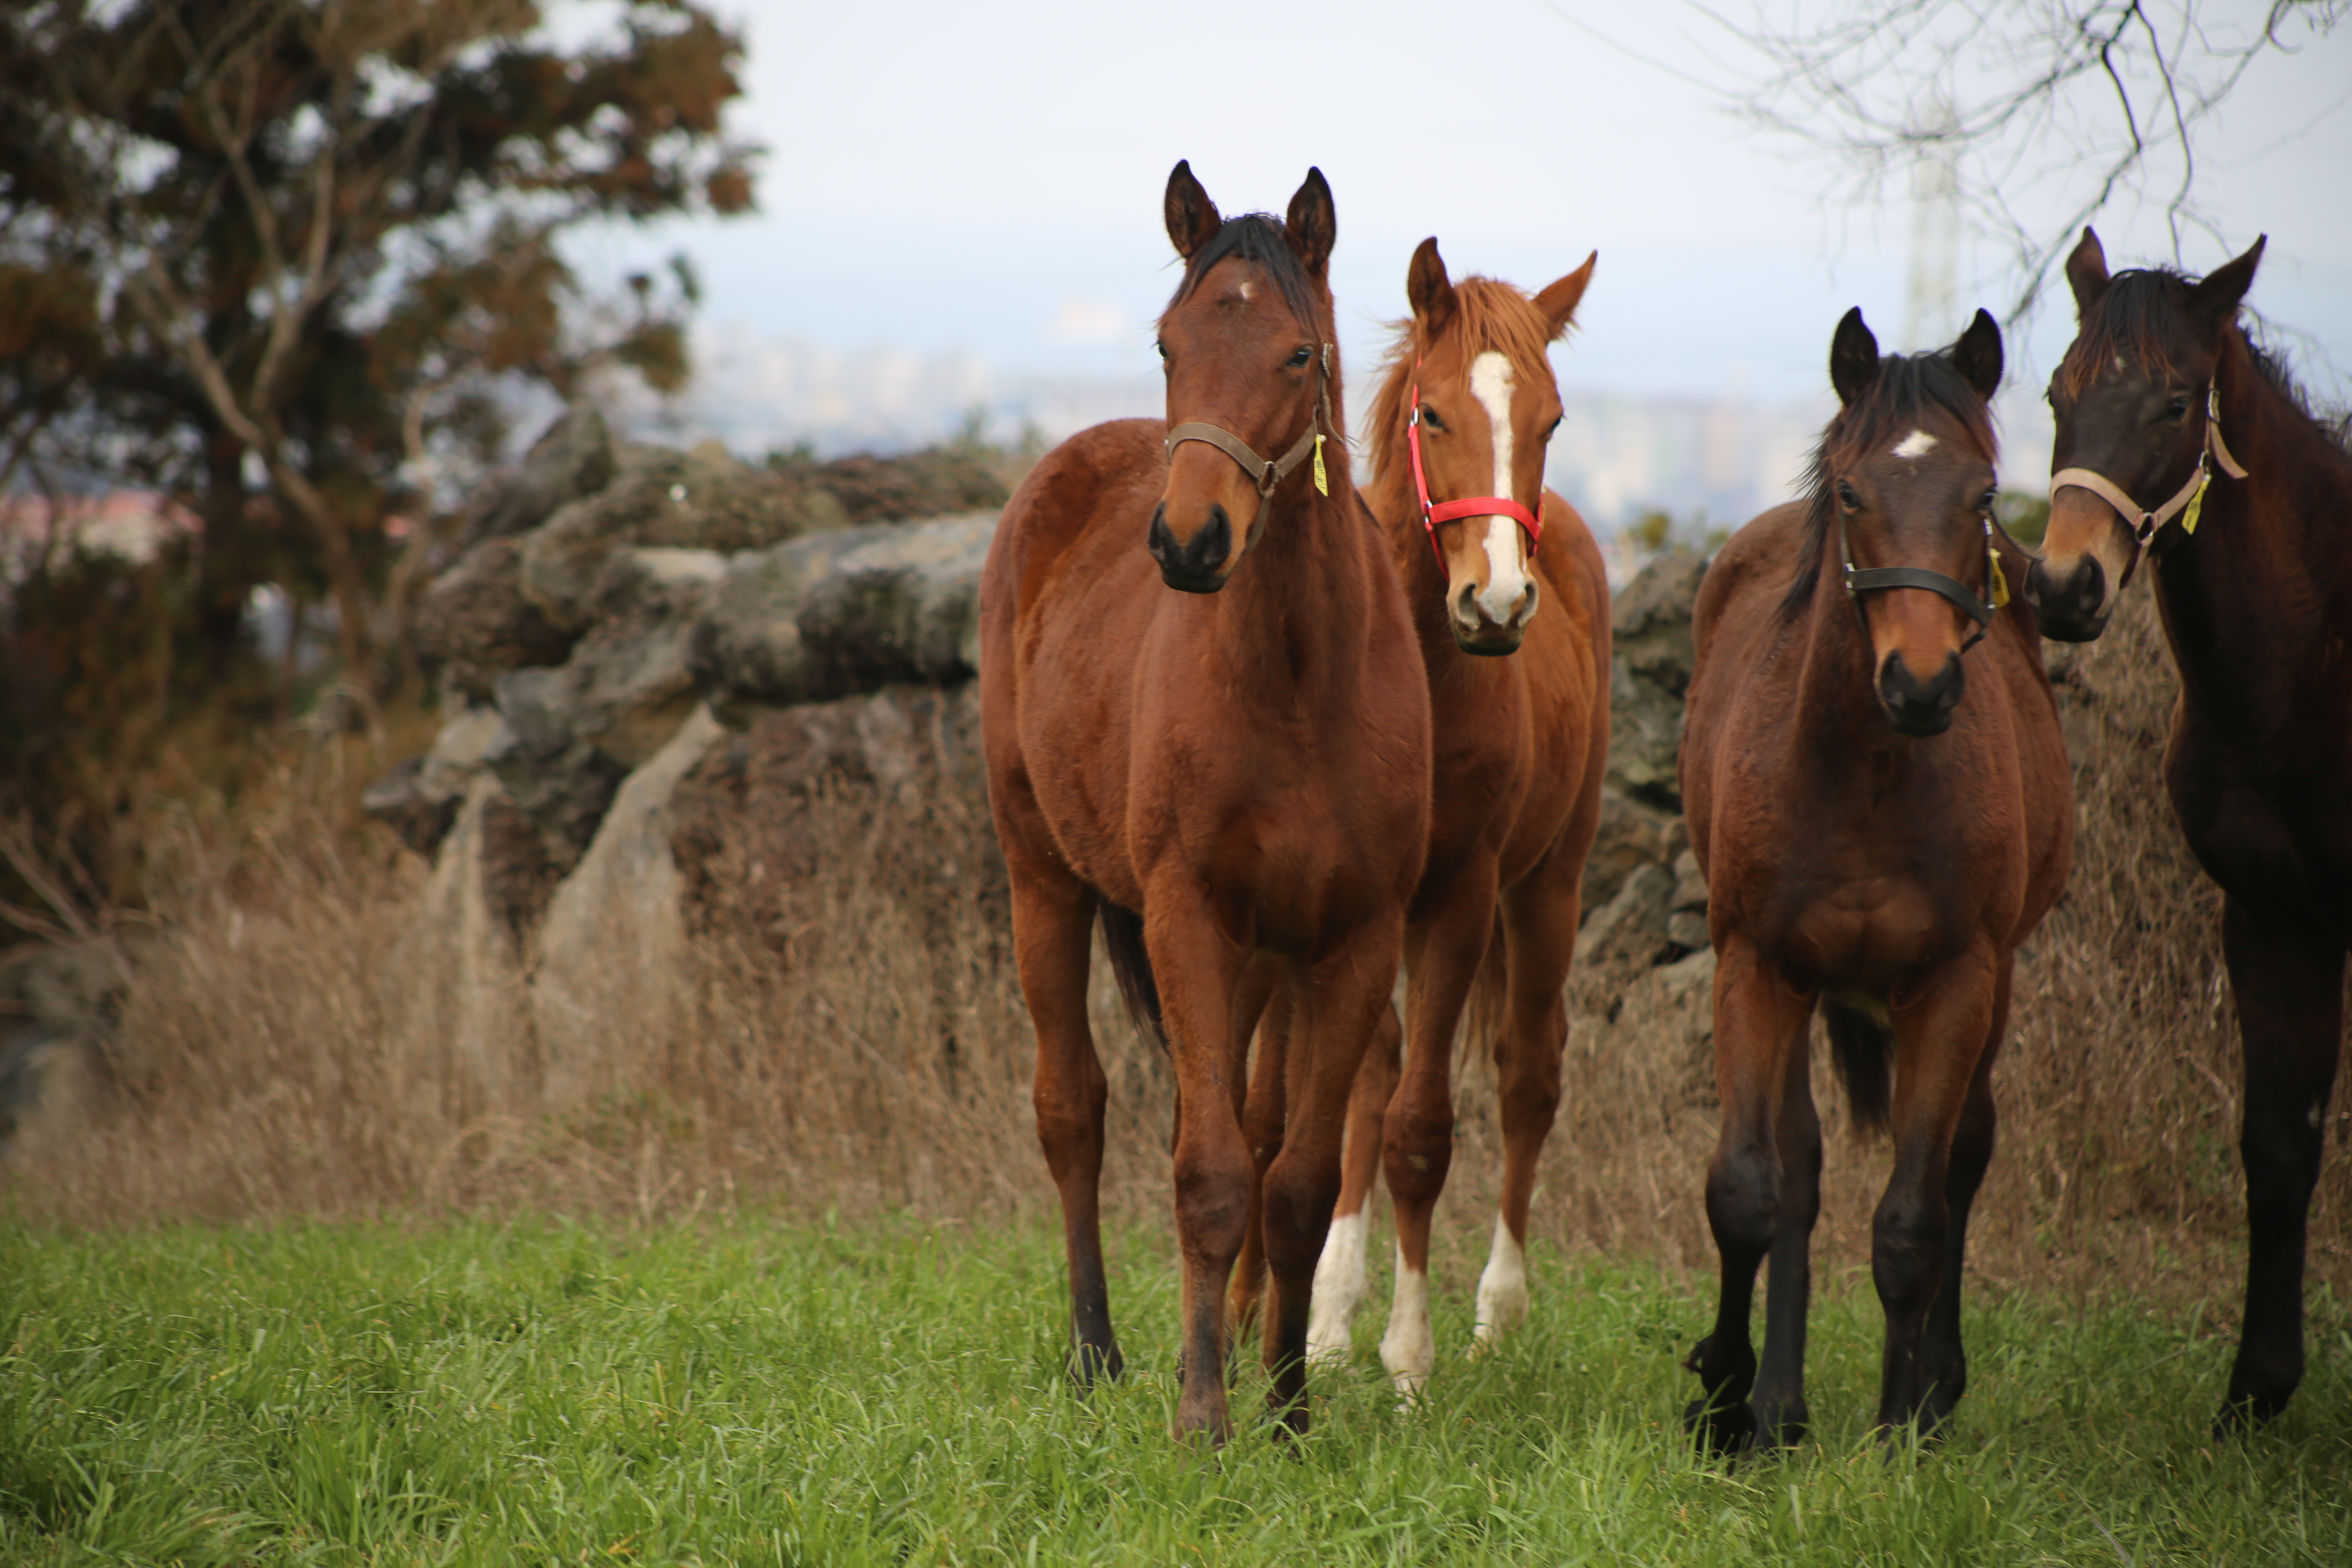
[1090, 1363]
[1724, 1432]
[2244, 1417]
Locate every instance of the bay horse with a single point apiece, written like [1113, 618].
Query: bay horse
[1880, 824]
[2252, 557]
[1514, 638]
[1205, 727]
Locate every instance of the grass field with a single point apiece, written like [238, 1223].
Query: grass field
[755, 1392]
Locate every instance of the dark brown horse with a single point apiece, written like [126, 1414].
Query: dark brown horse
[2178, 439]
[1877, 791]
[1493, 564]
[1206, 724]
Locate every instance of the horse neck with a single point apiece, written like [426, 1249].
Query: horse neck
[1293, 620]
[2269, 572]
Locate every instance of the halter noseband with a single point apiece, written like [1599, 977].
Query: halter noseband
[2189, 498]
[1469, 506]
[1264, 472]
[1869, 579]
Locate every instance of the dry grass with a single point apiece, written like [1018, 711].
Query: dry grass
[302, 1039]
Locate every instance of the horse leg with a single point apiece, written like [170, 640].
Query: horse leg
[1199, 971]
[1339, 1004]
[1262, 1112]
[1342, 1278]
[1944, 1367]
[1759, 1018]
[1540, 917]
[1940, 1038]
[1779, 1398]
[1053, 917]
[1445, 948]
[2288, 979]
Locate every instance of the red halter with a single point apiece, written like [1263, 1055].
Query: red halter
[1469, 506]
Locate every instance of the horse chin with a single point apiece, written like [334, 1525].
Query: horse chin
[1185, 580]
[1919, 725]
[1488, 640]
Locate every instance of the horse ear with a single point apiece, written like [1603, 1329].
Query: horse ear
[1428, 289]
[2086, 273]
[1977, 356]
[1192, 218]
[2214, 300]
[1311, 223]
[1854, 357]
[1559, 298]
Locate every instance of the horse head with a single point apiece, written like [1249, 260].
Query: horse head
[2138, 432]
[1906, 476]
[1472, 401]
[1247, 346]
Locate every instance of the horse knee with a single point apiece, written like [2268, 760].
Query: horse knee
[1297, 1214]
[1907, 1255]
[1213, 1204]
[1417, 1149]
[1743, 1201]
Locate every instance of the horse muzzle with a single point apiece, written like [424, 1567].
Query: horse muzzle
[1477, 629]
[1917, 708]
[2075, 604]
[1199, 564]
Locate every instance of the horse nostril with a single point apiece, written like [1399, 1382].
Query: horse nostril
[1916, 706]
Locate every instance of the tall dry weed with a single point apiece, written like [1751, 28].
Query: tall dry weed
[291, 1045]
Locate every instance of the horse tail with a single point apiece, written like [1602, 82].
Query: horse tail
[1863, 1049]
[1487, 1009]
[1131, 964]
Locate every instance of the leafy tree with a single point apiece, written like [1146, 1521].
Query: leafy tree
[281, 258]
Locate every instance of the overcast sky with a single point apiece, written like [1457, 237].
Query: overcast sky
[986, 179]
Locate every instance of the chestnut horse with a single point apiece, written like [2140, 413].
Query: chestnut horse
[1206, 725]
[2250, 538]
[1458, 429]
[1880, 824]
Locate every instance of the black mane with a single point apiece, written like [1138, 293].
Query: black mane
[1259, 237]
[1905, 388]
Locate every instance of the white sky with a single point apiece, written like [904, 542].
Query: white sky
[986, 179]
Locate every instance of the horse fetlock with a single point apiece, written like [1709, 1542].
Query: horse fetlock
[1409, 1349]
[1342, 1280]
[1503, 1286]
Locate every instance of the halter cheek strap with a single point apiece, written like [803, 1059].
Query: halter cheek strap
[2188, 499]
[1267, 473]
[1432, 514]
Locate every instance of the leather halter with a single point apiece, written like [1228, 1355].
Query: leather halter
[1869, 579]
[1469, 506]
[1267, 473]
[2189, 498]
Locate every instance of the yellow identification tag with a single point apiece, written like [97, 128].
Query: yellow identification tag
[2000, 580]
[1322, 483]
[2196, 504]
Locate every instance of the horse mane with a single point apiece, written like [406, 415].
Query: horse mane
[2142, 318]
[1259, 237]
[1905, 387]
[1489, 314]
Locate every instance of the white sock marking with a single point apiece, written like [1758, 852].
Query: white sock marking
[1503, 1288]
[1917, 444]
[1341, 1283]
[1507, 584]
[1409, 1349]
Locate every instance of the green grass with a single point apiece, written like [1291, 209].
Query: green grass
[748, 1391]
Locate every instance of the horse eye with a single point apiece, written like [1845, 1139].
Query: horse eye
[1847, 498]
[1429, 417]
[2177, 408]
[1305, 352]
[1160, 346]
[1550, 430]
[1985, 504]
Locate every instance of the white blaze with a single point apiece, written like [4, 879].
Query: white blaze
[1917, 444]
[1409, 1349]
[1341, 1282]
[1507, 584]
[1503, 1289]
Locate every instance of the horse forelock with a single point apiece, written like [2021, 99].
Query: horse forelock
[1906, 390]
[1258, 237]
[1489, 315]
[2140, 319]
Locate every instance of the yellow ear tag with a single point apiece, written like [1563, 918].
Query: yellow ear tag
[2000, 580]
[1322, 483]
[2196, 504]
